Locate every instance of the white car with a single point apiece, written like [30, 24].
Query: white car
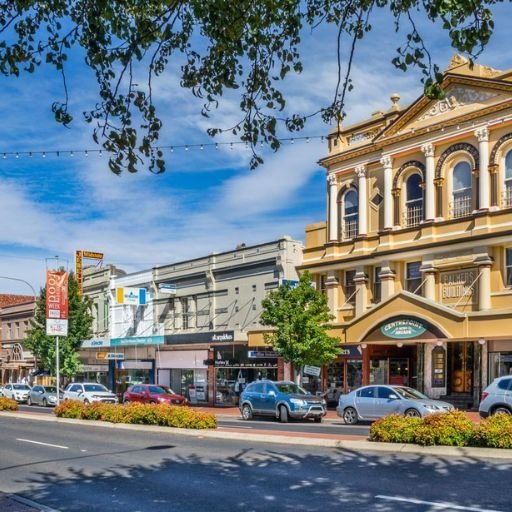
[88, 392]
[18, 392]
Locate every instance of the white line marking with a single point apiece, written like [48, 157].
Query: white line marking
[438, 505]
[44, 444]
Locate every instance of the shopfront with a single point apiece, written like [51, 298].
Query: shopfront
[499, 359]
[344, 374]
[237, 366]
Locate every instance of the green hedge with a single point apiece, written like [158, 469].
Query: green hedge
[8, 404]
[453, 428]
[139, 414]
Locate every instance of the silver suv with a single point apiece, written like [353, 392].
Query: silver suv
[88, 392]
[497, 397]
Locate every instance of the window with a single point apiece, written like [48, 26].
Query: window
[350, 214]
[505, 384]
[253, 287]
[350, 287]
[413, 277]
[385, 392]
[462, 192]
[237, 290]
[413, 201]
[508, 268]
[507, 193]
[184, 312]
[370, 392]
[321, 283]
[105, 315]
[17, 330]
[377, 295]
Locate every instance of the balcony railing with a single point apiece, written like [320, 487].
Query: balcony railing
[413, 215]
[462, 206]
[506, 200]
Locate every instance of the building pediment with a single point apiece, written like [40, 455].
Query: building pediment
[463, 96]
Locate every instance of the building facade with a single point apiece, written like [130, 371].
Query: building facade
[415, 255]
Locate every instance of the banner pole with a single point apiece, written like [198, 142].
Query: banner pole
[57, 369]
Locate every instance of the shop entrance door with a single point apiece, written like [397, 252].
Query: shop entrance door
[461, 354]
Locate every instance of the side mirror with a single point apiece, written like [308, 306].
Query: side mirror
[394, 397]
[272, 393]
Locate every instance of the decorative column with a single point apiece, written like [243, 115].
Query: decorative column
[333, 207]
[387, 280]
[484, 282]
[332, 286]
[482, 135]
[361, 282]
[428, 151]
[396, 207]
[388, 193]
[429, 277]
[363, 200]
[493, 175]
[438, 182]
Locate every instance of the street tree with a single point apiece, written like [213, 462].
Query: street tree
[215, 47]
[79, 329]
[300, 317]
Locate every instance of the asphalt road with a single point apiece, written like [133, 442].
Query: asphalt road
[86, 468]
[329, 426]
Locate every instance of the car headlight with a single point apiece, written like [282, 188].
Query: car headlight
[431, 407]
[297, 401]
[161, 399]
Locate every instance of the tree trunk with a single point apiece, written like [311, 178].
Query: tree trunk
[298, 376]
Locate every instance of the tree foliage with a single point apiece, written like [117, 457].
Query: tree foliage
[300, 317]
[217, 45]
[79, 329]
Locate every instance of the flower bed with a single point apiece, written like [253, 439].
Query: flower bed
[453, 428]
[8, 404]
[138, 414]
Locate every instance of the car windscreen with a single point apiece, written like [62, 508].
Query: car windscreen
[23, 387]
[410, 393]
[94, 387]
[291, 389]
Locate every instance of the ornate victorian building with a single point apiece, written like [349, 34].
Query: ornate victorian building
[416, 253]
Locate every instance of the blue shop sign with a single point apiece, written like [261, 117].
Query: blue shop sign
[136, 340]
[403, 328]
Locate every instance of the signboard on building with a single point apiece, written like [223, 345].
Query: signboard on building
[131, 296]
[136, 340]
[200, 337]
[79, 255]
[289, 282]
[167, 288]
[458, 286]
[110, 356]
[312, 370]
[262, 354]
[56, 303]
[95, 343]
[350, 351]
[403, 328]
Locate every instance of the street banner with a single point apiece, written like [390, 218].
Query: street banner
[56, 303]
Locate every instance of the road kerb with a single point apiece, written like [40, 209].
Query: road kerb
[268, 437]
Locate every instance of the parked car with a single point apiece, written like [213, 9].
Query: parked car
[497, 397]
[88, 392]
[44, 395]
[282, 399]
[372, 402]
[18, 392]
[1, 390]
[153, 394]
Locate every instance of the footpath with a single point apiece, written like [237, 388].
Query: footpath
[340, 441]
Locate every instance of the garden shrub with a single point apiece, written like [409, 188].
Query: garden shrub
[495, 432]
[451, 428]
[138, 414]
[394, 429]
[8, 404]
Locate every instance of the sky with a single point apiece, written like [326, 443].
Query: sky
[208, 200]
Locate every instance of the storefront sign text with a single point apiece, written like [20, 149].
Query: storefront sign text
[136, 340]
[403, 328]
[455, 285]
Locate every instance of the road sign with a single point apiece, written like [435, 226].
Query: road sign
[167, 288]
[312, 370]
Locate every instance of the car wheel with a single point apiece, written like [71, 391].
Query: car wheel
[86, 402]
[283, 414]
[502, 410]
[126, 401]
[246, 412]
[152, 402]
[318, 420]
[350, 416]
[45, 402]
[29, 401]
[412, 413]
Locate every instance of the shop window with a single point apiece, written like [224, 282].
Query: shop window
[462, 195]
[508, 268]
[350, 214]
[507, 191]
[500, 364]
[350, 287]
[377, 288]
[413, 277]
[413, 201]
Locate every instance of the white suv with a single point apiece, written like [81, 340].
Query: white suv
[18, 392]
[88, 392]
[497, 397]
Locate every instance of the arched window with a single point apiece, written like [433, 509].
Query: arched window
[413, 200]
[508, 180]
[350, 214]
[462, 192]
